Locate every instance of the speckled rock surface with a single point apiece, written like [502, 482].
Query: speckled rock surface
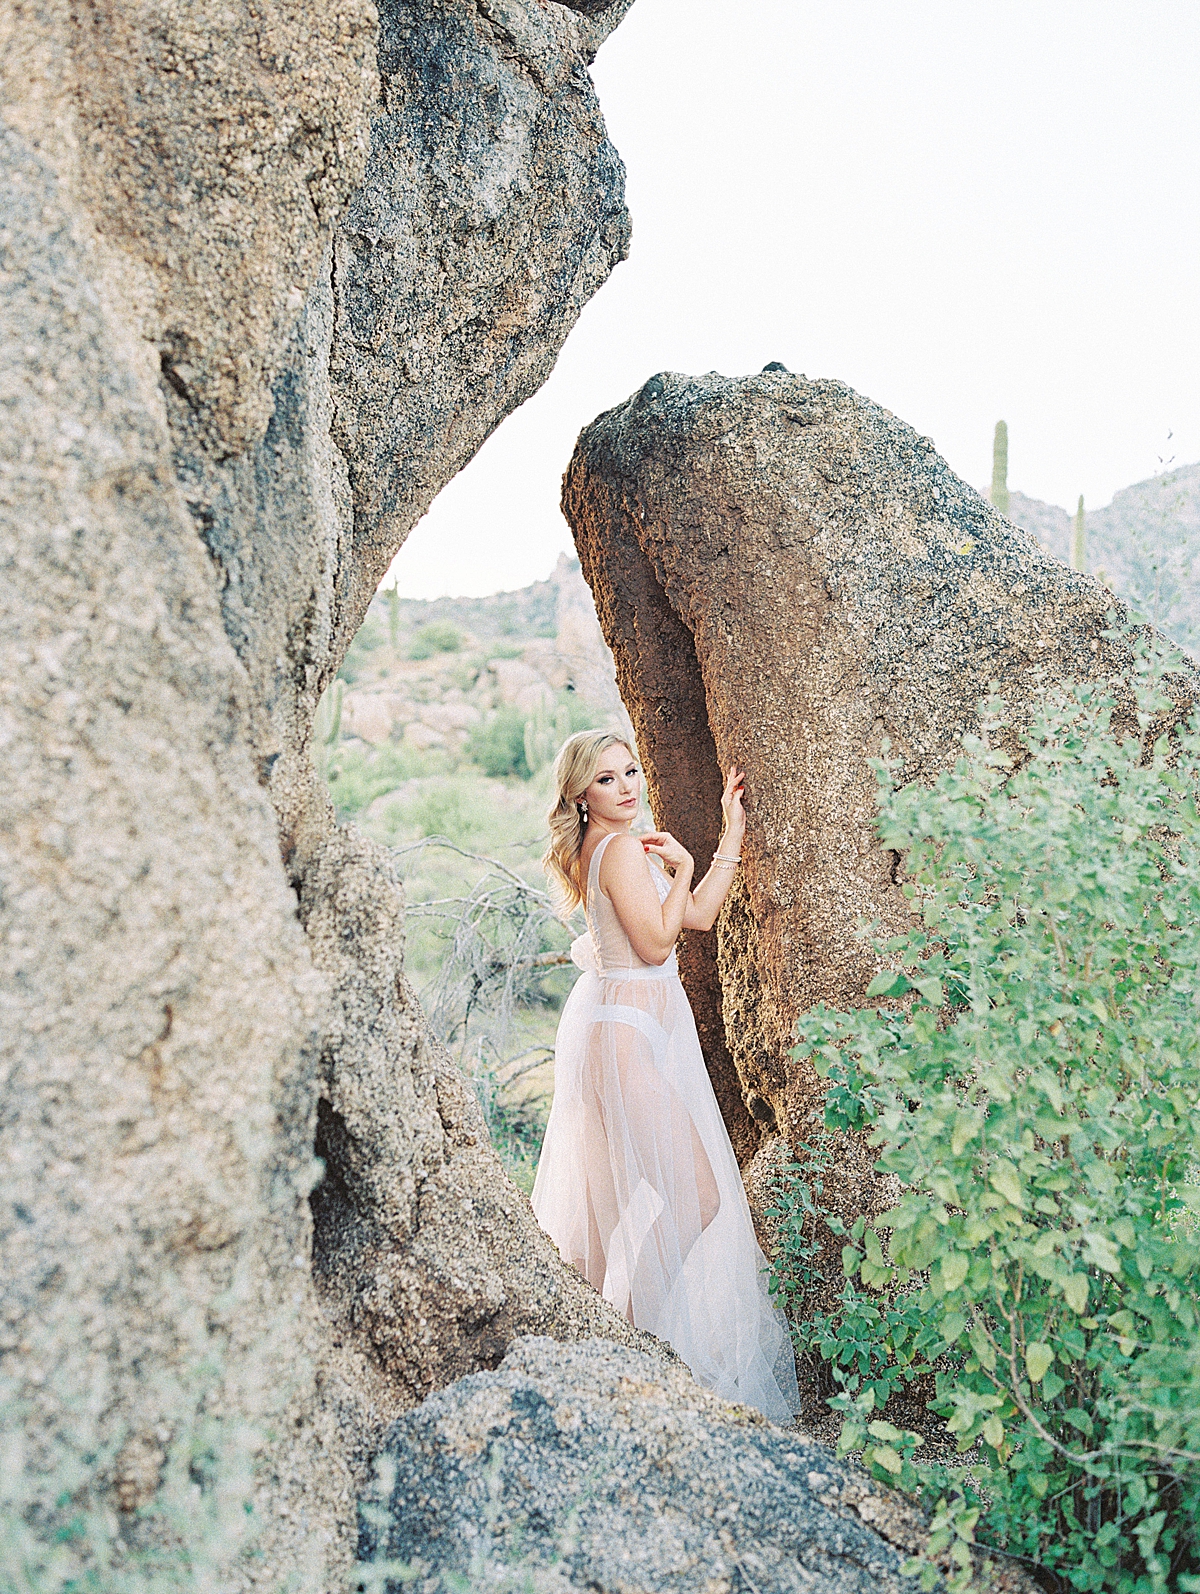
[210, 149]
[270, 274]
[588, 1466]
[159, 1026]
[789, 576]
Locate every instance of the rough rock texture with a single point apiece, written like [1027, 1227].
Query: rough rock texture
[490, 211]
[195, 138]
[159, 1008]
[220, 421]
[587, 1466]
[790, 577]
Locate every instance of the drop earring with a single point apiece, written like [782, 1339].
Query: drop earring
[582, 806]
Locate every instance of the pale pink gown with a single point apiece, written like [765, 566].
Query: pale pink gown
[638, 1185]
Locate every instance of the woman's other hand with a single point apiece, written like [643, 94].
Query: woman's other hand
[734, 814]
[663, 843]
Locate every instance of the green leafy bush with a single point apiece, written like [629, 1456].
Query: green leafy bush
[356, 775]
[464, 672]
[514, 742]
[870, 1342]
[1032, 1081]
[498, 745]
[438, 637]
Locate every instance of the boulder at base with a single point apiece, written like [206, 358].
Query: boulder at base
[589, 1466]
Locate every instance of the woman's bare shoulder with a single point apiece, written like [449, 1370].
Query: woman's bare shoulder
[623, 849]
[621, 857]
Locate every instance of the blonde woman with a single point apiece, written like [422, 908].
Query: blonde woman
[637, 1183]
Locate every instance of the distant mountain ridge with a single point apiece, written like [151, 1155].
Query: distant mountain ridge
[1145, 544]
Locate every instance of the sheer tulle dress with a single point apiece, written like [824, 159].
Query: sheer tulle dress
[637, 1182]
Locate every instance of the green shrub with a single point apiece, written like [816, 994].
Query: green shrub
[458, 810]
[465, 672]
[1032, 1081]
[513, 742]
[357, 775]
[870, 1342]
[498, 745]
[516, 1125]
[438, 637]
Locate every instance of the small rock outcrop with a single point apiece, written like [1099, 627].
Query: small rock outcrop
[589, 1466]
[790, 577]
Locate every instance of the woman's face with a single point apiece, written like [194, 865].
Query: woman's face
[616, 789]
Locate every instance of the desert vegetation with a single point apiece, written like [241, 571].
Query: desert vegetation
[1028, 1073]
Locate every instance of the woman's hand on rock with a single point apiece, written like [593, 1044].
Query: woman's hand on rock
[734, 813]
[672, 852]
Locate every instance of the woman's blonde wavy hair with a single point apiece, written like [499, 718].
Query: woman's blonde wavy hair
[574, 771]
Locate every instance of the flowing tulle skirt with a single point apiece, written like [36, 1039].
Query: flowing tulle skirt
[639, 1188]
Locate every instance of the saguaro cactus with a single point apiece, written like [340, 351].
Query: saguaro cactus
[327, 724]
[1079, 539]
[393, 608]
[999, 493]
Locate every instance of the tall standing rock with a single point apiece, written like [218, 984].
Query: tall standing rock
[790, 577]
[270, 275]
[491, 208]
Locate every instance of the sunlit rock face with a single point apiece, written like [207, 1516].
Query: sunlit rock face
[490, 209]
[271, 275]
[790, 577]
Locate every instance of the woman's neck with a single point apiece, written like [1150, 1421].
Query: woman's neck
[606, 827]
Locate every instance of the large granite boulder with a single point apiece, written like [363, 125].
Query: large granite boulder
[270, 275]
[589, 1466]
[790, 577]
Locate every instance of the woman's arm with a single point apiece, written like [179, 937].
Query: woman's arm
[652, 926]
[707, 897]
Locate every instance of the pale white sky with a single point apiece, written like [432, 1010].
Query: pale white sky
[965, 211]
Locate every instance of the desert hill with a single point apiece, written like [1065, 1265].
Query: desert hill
[437, 674]
[1144, 543]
